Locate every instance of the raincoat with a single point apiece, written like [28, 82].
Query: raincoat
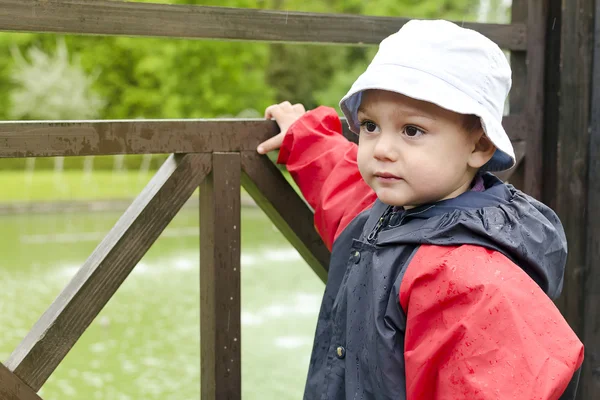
[450, 300]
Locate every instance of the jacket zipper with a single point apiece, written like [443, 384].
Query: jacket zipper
[385, 219]
[382, 221]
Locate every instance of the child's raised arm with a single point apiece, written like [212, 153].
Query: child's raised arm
[323, 164]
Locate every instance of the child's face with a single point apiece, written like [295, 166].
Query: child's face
[413, 152]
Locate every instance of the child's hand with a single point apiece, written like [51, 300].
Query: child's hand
[285, 114]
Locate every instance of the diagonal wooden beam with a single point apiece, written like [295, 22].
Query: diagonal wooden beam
[55, 333]
[220, 295]
[290, 214]
[12, 388]
[184, 21]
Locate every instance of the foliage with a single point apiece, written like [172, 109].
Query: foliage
[51, 87]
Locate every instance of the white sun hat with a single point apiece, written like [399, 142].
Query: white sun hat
[439, 62]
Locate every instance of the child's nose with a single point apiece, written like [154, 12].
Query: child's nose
[384, 149]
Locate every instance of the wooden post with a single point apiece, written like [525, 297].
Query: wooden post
[536, 23]
[518, 63]
[220, 329]
[590, 385]
[567, 137]
[567, 151]
[518, 92]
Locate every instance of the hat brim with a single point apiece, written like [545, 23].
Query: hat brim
[426, 87]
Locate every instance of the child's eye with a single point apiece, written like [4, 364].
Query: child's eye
[369, 126]
[413, 131]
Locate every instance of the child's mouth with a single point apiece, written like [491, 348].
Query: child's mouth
[386, 177]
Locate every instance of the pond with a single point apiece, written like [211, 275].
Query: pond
[145, 344]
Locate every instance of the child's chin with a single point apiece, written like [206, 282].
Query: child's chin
[391, 199]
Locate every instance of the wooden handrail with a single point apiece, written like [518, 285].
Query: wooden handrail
[85, 138]
[101, 17]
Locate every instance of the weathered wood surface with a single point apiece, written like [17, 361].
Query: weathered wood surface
[590, 384]
[552, 87]
[534, 109]
[568, 169]
[518, 92]
[288, 212]
[12, 388]
[569, 133]
[220, 287]
[55, 333]
[518, 97]
[83, 138]
[184, 21]
[518, 63]
[41, 139]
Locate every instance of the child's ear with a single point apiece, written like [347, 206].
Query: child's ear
[483, 150]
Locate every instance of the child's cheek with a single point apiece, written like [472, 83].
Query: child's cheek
[362, 160]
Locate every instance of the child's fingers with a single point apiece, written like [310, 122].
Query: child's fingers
[276, 110]
[270, 144]
[269, 111]
[299, 108]
[285, 114]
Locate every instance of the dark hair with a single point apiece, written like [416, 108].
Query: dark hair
[471, 123]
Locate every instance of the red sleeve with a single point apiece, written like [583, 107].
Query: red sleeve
[323, 164]
[479, 328]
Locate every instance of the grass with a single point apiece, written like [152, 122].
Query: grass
[70, 185]
[73, 185]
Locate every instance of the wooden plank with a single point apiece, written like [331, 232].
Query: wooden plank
[288, 212]
[220, 288]
[102, 17]
[570, 137]
[518, 97]
[12, 388]
[78, 138]
[536, 22]
[81, 138]
[518, 63]
[520, 148]
[55, 333]
[590, 380]
[552, 87]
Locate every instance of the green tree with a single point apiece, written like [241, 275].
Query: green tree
[50, 87]
[167, 78]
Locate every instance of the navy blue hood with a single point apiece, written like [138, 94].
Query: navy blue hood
[500, 218]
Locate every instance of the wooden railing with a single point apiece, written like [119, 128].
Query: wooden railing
[218, 156]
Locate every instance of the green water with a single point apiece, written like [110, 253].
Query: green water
[145, 343]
